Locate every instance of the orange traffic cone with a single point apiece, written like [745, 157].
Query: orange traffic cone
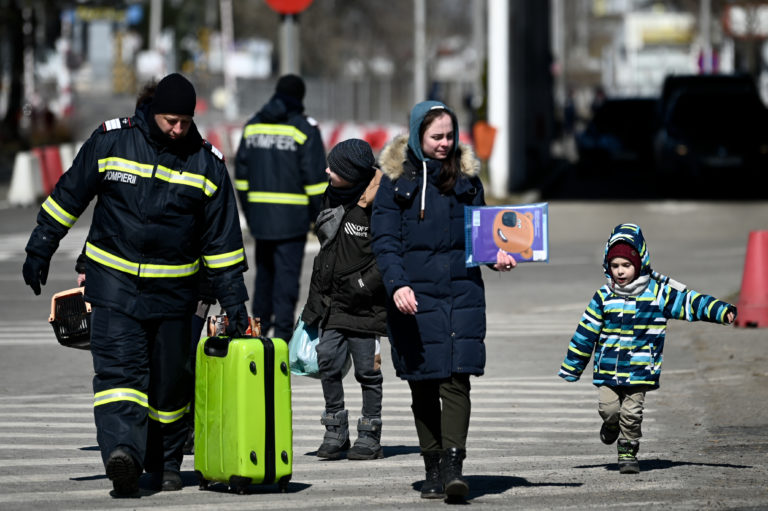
[753, 299]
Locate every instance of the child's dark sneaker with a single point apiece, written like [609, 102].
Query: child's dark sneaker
[627, 461]
[609, 433]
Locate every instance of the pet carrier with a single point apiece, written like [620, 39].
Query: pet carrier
[71, 319]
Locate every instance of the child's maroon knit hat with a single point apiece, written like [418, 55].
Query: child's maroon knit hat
[627, 251]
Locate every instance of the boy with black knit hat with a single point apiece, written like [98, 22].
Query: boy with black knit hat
[625, 326]
[347, 301]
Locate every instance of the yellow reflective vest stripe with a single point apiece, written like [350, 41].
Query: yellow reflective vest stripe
[282, 198]
[141, 270]
[296, 199]
[275, 129]
[58, 213]
[316, 189]
[167, 417]
[140, 398]
[120, 394]
[223, 260]
[171, 176]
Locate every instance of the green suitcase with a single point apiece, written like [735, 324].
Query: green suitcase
[243, 422]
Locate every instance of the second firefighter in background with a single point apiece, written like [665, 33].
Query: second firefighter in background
[280, 179]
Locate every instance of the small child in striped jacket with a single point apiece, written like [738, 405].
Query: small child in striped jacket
[625, 325]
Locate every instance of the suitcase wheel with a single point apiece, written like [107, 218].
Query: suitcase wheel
[282, 484]
[202, 481]
[239, 484]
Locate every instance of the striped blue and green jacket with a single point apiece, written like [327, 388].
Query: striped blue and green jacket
[626, 333]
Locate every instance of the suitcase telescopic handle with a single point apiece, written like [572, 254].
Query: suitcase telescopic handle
[216, 346]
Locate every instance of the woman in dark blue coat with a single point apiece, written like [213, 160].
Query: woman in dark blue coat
[436, 306]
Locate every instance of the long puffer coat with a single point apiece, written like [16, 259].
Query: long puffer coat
[447, 333]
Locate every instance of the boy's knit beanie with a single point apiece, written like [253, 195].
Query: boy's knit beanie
[627, 251]
[352, 160]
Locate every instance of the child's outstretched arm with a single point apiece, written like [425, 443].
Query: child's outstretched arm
[691, 305]
[583, 341]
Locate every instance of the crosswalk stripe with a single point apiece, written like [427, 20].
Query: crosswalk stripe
[518, 413]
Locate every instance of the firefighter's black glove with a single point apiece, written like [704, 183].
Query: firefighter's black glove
[237, 317]
[35, 272]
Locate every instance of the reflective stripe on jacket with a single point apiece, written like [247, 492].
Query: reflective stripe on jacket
[280, 172]
[162, 210]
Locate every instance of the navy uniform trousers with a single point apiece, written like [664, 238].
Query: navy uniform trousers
[142, 386]
[276, 286]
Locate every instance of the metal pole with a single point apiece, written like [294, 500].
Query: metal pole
[478, 42]
[155, 23]
[706, 43]
[558, 49]
[498, 95]
[419, 51]
[289, 48]
[227, 44]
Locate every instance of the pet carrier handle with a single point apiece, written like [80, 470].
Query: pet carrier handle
[67, 292]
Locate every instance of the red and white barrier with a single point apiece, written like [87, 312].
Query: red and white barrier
[226, 137]
[37, 171]
[26, 181]
[377, 135]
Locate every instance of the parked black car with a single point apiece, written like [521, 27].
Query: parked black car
[713, 139]
[619, 135]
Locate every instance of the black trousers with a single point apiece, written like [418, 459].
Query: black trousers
[142, 386]
[441, 411]
[276, 288]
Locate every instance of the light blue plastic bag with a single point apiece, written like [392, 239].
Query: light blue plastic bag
[302, 352]
[302, 355]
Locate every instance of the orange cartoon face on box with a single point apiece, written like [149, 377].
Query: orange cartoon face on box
[513, 232]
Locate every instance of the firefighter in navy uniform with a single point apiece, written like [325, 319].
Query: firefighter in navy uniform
[165, 207]
[280, 178]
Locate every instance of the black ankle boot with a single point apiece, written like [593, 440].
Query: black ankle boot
[432, 488]
[450, 472]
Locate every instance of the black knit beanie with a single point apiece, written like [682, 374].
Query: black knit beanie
[352, 160]
[291, 86]
[174, 95]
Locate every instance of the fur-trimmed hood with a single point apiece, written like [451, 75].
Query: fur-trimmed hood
[393, 157]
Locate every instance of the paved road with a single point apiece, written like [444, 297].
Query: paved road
[533, 440]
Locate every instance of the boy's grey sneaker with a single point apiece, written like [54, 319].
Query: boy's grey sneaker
[367, 446]
[628, 463]
[122, 471]
[609, 433]
[336, 439]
